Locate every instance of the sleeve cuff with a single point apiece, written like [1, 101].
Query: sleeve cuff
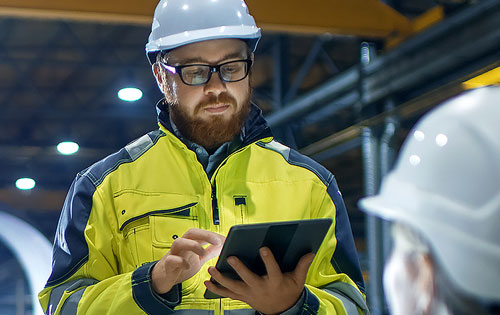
[311, 303]
[147, 299]
[308, 303]
[294, 310]
[172, 297]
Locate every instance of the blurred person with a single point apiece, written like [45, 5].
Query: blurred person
[444, 199]
[141, 229]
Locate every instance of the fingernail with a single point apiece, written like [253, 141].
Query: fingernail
[231, 260]
[264, 252]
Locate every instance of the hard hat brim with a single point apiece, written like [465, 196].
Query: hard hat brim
[377, 206]
[249, 33]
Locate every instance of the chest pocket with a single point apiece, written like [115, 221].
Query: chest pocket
[150, 222]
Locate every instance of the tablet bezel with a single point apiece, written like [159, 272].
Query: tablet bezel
[288, 240]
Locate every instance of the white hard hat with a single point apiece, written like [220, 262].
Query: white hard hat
[446, 185]
[180, 22]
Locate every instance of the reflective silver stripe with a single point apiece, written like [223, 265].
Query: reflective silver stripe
[71, 304]
[57, 292]
[350, 306]
[277, 147]
[349, 296]
[240, 312]
[139, 146]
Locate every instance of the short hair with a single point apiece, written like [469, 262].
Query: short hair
[164, 54]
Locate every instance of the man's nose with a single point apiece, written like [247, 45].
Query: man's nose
[215, 85]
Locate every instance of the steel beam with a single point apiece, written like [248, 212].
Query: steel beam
[367, 18]
[309, 102]
[404, 111]
[338, 150]
[304, 70]
[448, 52]
[371, 172]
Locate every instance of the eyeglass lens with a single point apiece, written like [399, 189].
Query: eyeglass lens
[229, 72]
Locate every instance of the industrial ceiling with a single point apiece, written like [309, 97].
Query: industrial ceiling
[324, 72]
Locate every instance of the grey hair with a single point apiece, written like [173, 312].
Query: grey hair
[455, 299]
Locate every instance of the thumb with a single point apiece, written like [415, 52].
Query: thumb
[302, 267]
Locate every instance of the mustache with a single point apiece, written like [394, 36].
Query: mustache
[222, 98]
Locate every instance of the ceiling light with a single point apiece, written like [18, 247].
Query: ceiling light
[68, 147]
[25, 183]
[130, 94]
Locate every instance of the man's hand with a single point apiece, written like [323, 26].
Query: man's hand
[185, 258]
[270, 294]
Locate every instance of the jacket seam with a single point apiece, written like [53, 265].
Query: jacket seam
[326, 181]
[308, 167]
[157, 134]
[64, 277]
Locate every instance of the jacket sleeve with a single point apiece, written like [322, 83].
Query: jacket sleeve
[86, 276]
[334, 282]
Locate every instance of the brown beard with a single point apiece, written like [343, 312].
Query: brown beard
[212, 133]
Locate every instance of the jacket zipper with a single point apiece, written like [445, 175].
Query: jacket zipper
[215, 206]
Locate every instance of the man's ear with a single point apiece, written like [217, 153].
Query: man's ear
[160, 77]
[425, 283]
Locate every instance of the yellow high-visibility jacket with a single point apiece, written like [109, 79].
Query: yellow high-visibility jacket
[122, 214]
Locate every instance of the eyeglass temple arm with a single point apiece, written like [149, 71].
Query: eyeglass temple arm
[169, 68]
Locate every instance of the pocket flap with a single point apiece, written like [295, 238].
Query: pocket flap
[133, 205]
[165, 229]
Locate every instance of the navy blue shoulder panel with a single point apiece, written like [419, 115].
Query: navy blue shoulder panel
[70, 249]
[299, 159]
[345, 258]
[129, 153]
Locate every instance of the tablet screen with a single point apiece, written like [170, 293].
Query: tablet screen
[288, 241]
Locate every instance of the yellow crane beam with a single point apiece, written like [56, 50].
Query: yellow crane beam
[366, 18]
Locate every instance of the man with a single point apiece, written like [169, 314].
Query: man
[444, 197]
[141, 228]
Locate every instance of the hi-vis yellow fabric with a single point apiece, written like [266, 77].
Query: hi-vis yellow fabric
[123, 213]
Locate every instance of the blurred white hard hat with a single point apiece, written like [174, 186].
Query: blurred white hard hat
[446, 185]
[181, 22]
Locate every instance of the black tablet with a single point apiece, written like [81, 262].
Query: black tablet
[288, 241]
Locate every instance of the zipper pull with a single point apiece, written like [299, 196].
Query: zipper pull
[215, 206]
[240, 202]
